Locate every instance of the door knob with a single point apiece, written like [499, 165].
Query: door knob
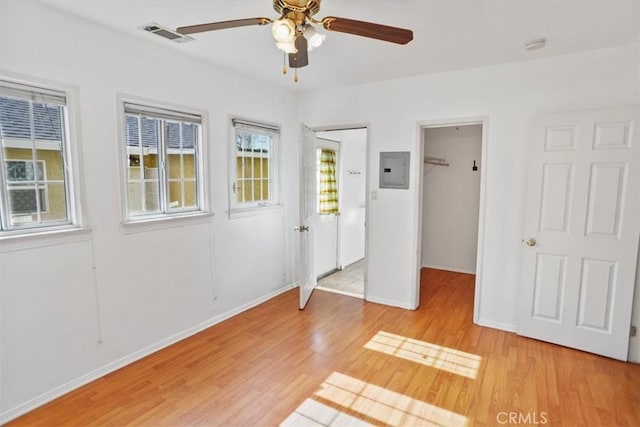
[531, 241]
[301, 228]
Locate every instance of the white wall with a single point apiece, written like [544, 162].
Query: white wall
[59, 327]
[509, 96]
[451, 197]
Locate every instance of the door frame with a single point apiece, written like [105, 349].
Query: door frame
[484, 164]
[367, 127]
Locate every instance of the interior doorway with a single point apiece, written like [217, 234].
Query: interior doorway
[339, 244]
[451, 198]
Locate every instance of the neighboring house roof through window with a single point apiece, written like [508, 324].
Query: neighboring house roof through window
[150, 133]
[15, 120]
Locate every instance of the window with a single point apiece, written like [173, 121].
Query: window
[162, 162]
[35, 186]
[254, 165]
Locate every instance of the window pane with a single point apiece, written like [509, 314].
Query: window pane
[134, 201]
[15, 116]
[190, 194]
[24, 203]
[265, 189]
[247, 190]
[50, 164]
[23, 200]
[175, 195]
[54, 207]
[143, 197]
[47, 122]
[174, 163]
[189, 164]
[182, 195]
[142, 145]
[151, 197]
[247, 167]
[22, 170]
[142, 138]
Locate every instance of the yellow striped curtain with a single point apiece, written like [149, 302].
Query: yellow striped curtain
[328, 191]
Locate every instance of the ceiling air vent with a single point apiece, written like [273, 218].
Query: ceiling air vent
[166, 33]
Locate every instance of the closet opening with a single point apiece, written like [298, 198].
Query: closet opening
[451, 205]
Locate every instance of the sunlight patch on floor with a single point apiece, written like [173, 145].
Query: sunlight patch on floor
[314, 413]
[367, 401]
[444, 358]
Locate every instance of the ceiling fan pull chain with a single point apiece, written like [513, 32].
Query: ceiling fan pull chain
[284, 62]
[295, 76]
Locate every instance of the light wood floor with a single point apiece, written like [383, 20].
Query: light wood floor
[275, 363]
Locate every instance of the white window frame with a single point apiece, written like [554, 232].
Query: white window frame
[241, 209]
[70, 152]
[169, 112]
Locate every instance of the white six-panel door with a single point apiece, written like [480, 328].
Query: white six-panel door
[581, 231]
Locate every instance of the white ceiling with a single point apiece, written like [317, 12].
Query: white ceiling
[448, 34]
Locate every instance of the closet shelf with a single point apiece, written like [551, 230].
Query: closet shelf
[435, 161]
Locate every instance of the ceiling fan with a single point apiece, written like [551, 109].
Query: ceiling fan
[294, 34]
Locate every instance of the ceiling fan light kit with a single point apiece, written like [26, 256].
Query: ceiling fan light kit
[294, 34]
[283, 30]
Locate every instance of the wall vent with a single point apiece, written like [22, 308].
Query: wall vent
[166, 33]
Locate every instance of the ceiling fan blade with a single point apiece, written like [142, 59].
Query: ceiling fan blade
[368, 29]
[222, 25]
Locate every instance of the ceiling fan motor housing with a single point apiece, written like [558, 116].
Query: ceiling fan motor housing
[308, 7]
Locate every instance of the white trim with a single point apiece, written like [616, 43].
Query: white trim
[447, 268]
[41, 144]
[418, 161]
[389, 302]
[13, 241]
[56, 392]
[508, 327]
[163, 221]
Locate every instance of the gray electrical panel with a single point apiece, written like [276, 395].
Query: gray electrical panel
[394, 169]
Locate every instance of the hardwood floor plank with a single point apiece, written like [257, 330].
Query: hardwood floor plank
[258, 367]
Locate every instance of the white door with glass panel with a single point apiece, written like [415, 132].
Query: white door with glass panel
[581, 231]
[308, 202]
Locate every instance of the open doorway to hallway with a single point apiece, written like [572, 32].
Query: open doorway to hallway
[339, 245]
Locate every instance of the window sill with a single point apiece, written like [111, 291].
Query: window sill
[162, 222]
[254, 211]
[17, 240]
